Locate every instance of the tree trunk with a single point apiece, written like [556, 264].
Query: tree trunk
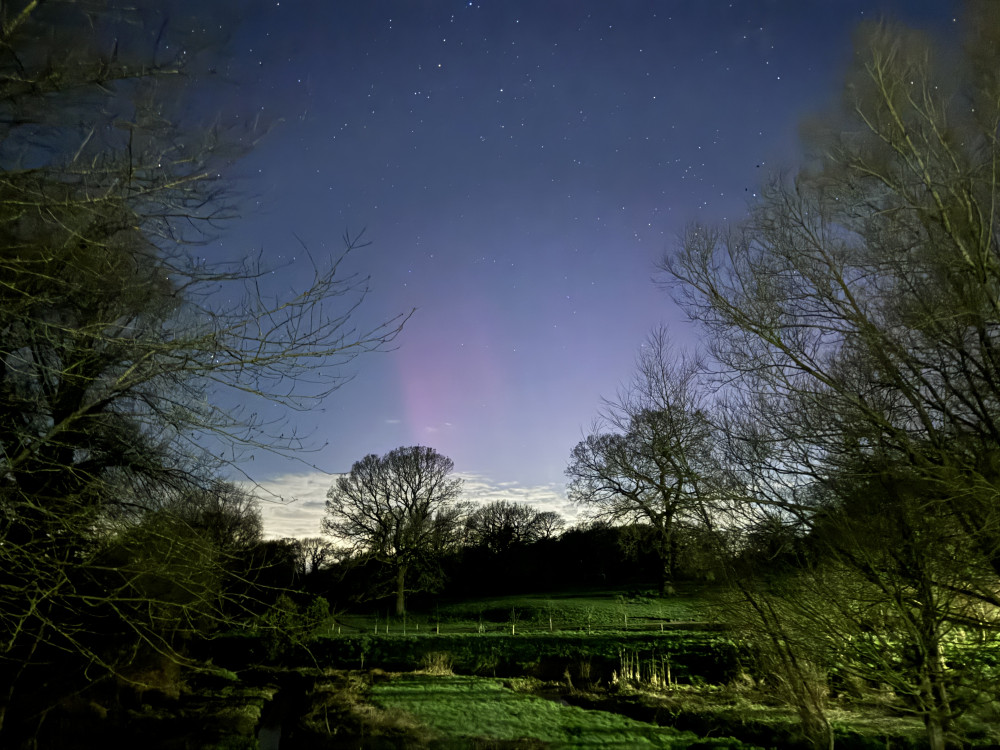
[931, 669]
[400, 590]
[937, 715]
[935, 732]
[817, 729]
[668, 564]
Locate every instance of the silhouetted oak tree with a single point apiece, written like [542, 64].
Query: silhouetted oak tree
[398, 509]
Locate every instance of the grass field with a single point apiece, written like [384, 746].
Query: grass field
[591, 634]
[559, 612]
[462, 674]
[463, 708]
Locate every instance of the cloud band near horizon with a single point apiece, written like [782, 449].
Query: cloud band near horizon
[292, 505]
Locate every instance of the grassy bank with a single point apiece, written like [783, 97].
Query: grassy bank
[468, 708]
[643, 671]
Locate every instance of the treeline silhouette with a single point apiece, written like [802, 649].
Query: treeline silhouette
[588, 555]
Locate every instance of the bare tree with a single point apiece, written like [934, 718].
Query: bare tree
[650, 454]
[398, 509]
[501, 524]
[229, 515]
[312, 554]
[855, 316]
[549, 524]
[116, 344]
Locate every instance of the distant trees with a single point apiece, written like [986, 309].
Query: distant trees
[549, 524]
[116, 341]
[500, 525]
[584, 554]
[400, 510]
[312, 554]
[226, 513]
[647, 461]
[855, 317]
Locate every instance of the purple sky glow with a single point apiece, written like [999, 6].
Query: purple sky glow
[519, 167]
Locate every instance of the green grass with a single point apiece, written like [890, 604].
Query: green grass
[470, 707]
[555, 612]
[574, 611]
[524, 634]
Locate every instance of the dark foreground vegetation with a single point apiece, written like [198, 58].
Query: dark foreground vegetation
[793, 540]
[568, 675]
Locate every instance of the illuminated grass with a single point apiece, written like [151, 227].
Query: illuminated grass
[470, 707]
[573, 612]
[559, 612]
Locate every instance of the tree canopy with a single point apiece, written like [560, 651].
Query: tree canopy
[647, 461]
[501, 524]
[854, 320]
[398, 509]
[116, 341]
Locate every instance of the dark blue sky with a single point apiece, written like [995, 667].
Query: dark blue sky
[519, 167]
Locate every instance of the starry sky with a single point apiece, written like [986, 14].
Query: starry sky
[519, 167]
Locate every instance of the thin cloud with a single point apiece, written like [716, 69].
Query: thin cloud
[293, 504]
[544, 497]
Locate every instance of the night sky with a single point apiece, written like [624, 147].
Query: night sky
[519, 167]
